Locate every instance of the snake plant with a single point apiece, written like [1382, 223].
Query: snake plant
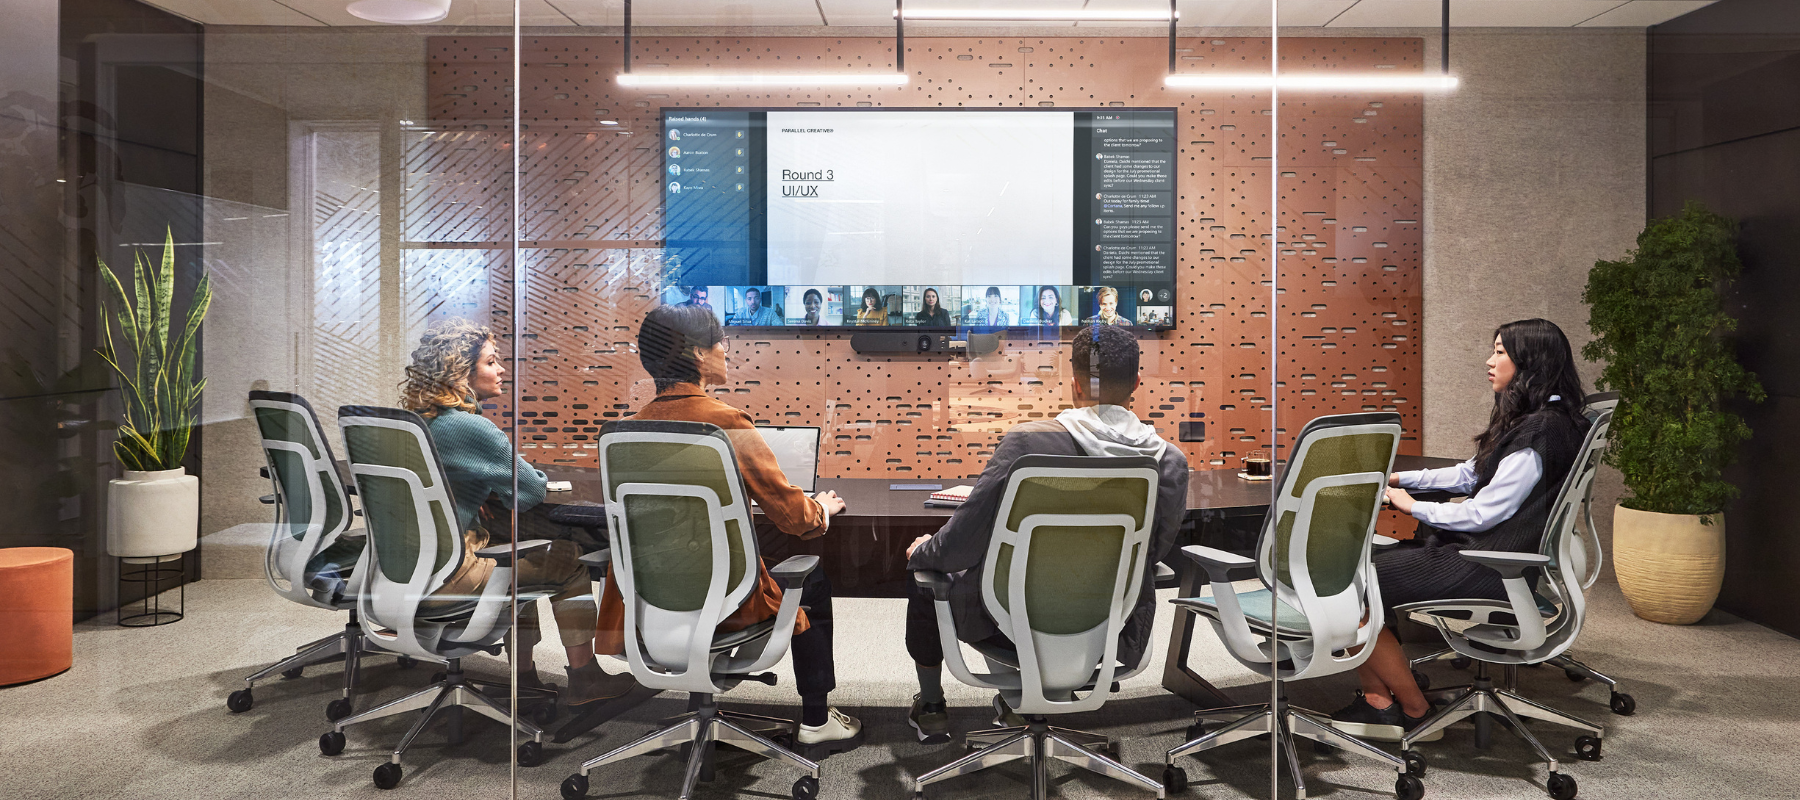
[156, 371]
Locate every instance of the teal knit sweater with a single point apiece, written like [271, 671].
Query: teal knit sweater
[478, 462]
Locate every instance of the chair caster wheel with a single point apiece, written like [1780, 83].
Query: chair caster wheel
[543, 715]
[1587, 748]
[406, 662]
[1409, 787]
[291, 674]
[1422, 680]
[1415, 763]
[1175, 779]
[387, 776]
[240, 701]
[574, 787]
[1461, 662]
[1623, 705]
[531, 754]
[338, 709]
[1573, 676]
[1196, 731]
[1561, 786]
[807, 788]
[331, 742]
[1322, 748]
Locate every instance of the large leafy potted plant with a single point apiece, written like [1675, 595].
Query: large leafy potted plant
[153, 513]
[1662, 331]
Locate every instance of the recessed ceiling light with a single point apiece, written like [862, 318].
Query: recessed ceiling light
[400, 12]
[609, 122]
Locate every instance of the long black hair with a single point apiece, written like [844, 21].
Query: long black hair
[1543, 367]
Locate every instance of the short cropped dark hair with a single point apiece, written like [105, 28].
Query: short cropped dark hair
[667, 338]
[1117, 353]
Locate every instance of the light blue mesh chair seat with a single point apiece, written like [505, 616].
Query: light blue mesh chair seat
[1293, 623]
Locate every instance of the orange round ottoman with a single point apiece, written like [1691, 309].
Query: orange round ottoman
[37, 612]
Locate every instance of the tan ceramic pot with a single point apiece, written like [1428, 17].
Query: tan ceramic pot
[1669, 565]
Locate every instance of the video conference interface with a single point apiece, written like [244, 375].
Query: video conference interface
[933, 218]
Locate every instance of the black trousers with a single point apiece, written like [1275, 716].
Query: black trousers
[815, 670]
[922, 642]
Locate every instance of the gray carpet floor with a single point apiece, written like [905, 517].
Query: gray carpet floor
[142, 715]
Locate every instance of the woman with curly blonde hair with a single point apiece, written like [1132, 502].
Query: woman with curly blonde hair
[456, 366]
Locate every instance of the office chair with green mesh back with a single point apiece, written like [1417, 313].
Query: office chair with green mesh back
[313, 553]
[1530, 626]
[684, 555]
[1313, 561]
[1063, 571]
[414, 547]
[1589, 556]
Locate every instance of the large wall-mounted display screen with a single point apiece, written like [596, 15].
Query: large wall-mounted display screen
[935, 218]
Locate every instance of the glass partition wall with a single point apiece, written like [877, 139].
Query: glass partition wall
[440, 241]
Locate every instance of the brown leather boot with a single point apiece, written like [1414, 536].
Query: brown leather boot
[591, 684]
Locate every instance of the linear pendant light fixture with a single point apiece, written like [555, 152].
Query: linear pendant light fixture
[766, 79]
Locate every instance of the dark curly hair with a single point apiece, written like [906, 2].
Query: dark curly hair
[1544, 367]
[667, 339]
[1117, 353]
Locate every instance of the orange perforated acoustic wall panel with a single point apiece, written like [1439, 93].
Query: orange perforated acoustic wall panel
[1346, 256]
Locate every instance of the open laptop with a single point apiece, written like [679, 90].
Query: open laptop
[796, 452]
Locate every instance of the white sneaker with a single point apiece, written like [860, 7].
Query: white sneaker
[840, 733]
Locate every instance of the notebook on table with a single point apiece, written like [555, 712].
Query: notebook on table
[796, 452]
[951, 497]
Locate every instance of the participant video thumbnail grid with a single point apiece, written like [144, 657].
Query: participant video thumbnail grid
[960, 307]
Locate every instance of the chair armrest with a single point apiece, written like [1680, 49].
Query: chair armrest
[1164, 576]
[598, 558]
[792, 572]
[1217, 563]
[933, 581]
[1509, 565]
[502, 553]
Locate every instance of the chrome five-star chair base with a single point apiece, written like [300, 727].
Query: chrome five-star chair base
[701, 729]
[1038, 743]
[1286, 722]
[452, 693]
[1482, 697]
[347, 646]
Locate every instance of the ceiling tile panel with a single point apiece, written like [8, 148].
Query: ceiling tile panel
[1644, 13]
[236, 12]
[1473, 13]
[1255, 13]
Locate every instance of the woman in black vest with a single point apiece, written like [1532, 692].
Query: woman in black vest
[1531, 441]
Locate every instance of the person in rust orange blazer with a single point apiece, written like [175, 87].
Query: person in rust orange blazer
[684, 350]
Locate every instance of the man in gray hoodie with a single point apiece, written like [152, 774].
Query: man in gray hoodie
[1104, 373]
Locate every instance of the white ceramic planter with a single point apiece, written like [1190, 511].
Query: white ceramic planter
[1670, 566]
[152, 515]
